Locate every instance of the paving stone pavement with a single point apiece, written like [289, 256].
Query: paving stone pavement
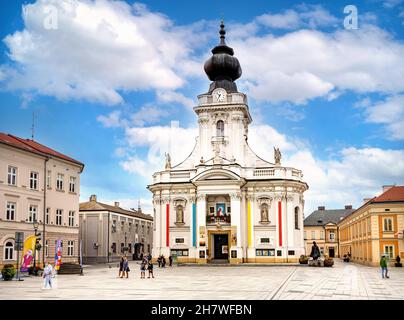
[343, 281]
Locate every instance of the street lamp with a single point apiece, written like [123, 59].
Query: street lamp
[37, 245]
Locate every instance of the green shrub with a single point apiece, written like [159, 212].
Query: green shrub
[8, 272]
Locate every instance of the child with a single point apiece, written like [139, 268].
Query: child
[150, 268]
[142, 270]
[383, 266]
[47, 275]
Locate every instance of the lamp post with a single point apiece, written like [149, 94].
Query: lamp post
[36, 246]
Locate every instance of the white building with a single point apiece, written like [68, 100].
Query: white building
[39, 184]
[224, 202]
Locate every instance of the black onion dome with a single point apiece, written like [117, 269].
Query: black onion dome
[222, 67]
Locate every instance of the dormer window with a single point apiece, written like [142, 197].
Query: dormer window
[220, 128]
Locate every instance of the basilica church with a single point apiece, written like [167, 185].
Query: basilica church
[224, 204]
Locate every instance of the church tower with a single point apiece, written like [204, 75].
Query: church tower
[224, 203]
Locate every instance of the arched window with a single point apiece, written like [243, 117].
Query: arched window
[297, 218]
[9, 251]
[220, 128]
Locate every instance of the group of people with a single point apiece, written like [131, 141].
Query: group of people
[161, 260]
[124, 267]
[145, 264]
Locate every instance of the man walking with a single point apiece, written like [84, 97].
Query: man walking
[383, 266]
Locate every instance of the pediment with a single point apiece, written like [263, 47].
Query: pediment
[217, 174]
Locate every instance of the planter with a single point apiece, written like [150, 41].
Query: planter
[8, 272]
[329, 262]
[303, 259]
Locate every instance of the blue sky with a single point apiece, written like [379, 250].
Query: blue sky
[107, 82]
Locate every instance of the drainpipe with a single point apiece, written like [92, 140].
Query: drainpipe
[45, 186]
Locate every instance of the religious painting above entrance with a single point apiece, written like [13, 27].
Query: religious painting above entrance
[220, 209]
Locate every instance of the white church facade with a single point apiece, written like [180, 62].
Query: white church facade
[224, 203]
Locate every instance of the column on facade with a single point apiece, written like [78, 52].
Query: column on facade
[202, 239]
[165, 212]
[250, 228]
[193, 235]
[236, 224]
[157, 227]
[290, 221]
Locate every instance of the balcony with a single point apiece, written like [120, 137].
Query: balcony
[218, 220]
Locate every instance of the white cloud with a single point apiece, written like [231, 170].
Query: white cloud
[391, 113]
[113, 120]
[175, 97]
[148, 114]
[306, 64]
[157, 140]
[305, 16]
[99, 49]
[391, 3]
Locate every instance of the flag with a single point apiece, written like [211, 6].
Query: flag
[58, 254]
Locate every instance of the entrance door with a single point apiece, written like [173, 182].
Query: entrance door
[331, 252]
[221, 246]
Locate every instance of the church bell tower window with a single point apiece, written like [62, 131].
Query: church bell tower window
[220, 128]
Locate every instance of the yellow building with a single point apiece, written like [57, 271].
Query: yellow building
[375, 229]
[321, 226]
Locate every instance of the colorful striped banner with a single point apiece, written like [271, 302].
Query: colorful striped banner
[280, 222]
[249, 224]
[194, 224]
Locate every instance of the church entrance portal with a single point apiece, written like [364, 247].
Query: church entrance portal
[220, 246]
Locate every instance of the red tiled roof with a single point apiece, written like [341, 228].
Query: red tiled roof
[35, 147]
[394, 194]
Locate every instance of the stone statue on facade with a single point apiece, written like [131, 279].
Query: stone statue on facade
[264, 213]
[168, 161]
[277, 156]
[180, 214]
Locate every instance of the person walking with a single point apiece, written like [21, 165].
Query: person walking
[142, 270]
[149, 257]
[150, 268]
[159, 261]
[125, 267]
[163, 262]
[120, 275]
[383, 266]
[170, 259]
[47, 275]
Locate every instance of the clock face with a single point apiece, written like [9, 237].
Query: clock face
[220, 95]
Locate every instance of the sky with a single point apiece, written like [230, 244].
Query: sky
[113, 84]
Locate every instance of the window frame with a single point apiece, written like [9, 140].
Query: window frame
[7, 250]
[72, 184]
[59, 217]
[70, 248]
[71, 218]
[33, 180]
[32, 214]
[60, 181]
[8, 210]
[388, 224]
[12, 176]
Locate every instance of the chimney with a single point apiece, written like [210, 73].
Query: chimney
[348, 207]
[116, 204]
[93, 197]
[321, 208]
[387, 187]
